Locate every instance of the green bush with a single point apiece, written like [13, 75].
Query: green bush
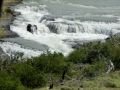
[116, 58]
[8, 82]
[8, 10]
[109, 83]
[77, 56]
[32, 80]
[50, 63]
[96, 69]
[29, 76]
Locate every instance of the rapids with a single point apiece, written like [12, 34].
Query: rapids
[64, 23]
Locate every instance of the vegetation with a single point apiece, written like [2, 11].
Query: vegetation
[87, 65]
[6, 10]
[31, 73]
[97, 51]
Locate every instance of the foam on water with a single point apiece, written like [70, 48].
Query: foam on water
[79, 5]
[8, 47]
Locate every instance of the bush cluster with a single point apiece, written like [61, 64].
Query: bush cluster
[97, 55]
[110, 50]
[32, 72]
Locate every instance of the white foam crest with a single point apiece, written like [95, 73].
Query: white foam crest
[114, 7]
[104, 15]
[28, 53]
[54, 1]
[32, 9]
[83, 6]
[65, 26]
[82, 36]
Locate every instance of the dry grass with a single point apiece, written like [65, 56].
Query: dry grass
[10, 1]
[5, 6]
[6, 2]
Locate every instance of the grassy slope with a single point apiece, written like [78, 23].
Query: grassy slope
[108, 82]
[6, 2]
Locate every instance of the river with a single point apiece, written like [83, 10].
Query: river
[61, 24]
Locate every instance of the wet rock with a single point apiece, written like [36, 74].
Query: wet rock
[116, 35]
[6, 26]
[3, 55]
[10, 34]
[16, 14]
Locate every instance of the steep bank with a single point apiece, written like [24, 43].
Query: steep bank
[5, 24]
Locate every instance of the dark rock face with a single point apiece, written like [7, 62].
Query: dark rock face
[32, 28]
[1, 2]
[117, 35]
[29, 28]
[47, 19]
[8, 32]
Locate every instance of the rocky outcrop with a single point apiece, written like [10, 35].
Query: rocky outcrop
[117, 35]
[3, 55]
[6, 26]
[8, 33]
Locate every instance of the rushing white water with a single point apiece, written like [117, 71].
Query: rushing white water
[28, 52]
[61, 23]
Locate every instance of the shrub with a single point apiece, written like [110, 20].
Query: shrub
[8, 82]
[77, 56]
[30, 77]
[109, 83]
[96, 69]
[8, 10]
[116, 58]
[50, 63]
